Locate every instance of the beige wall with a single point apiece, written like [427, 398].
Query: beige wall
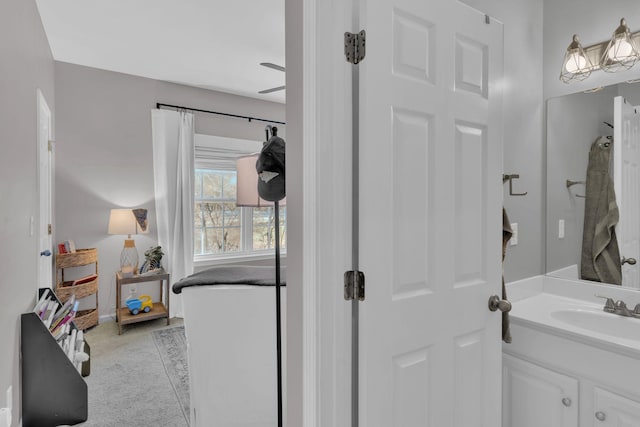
[26, 64]
[104, 153]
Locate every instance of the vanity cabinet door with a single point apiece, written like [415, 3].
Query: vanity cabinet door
[534, 396]
[613, 410]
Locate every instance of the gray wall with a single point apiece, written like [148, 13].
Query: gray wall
[104, 153]
[594, 21]
[26, 64]
[523, 128]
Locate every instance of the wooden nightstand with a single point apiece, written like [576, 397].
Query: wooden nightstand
[160, 308]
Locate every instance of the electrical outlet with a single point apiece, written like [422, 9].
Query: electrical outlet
[561, 229]
[5, 413]
[514, 236]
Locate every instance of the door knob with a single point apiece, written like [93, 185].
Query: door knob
[601, 416]
[45, 253]
[566, 402]
[630, 261]
[495, 303]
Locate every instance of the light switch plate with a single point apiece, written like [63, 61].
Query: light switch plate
[561, 229]
[514, 236]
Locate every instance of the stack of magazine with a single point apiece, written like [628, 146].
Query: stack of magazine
[58, 320]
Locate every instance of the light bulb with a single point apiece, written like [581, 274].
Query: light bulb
[575, 63]
[620, 50]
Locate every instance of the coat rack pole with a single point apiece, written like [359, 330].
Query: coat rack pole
[278, 326]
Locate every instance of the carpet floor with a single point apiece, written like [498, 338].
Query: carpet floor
[130, 383]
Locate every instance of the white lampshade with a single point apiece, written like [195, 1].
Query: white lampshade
[123, 221]
[247, 185]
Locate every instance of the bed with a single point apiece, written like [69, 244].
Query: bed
[229, 317]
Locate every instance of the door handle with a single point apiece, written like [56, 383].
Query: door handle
[630, 261]
[495, 303]
[45, 253]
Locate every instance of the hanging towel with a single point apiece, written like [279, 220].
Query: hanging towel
[507, 232]
[600, 260]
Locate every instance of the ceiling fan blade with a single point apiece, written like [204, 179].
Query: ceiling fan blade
[272, 66]
[273, 89]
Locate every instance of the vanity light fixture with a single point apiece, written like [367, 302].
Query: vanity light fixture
[619, 53]
[576, 64]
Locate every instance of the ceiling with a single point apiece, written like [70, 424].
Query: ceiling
[211, 44]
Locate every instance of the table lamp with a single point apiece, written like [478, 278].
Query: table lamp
[128, 221]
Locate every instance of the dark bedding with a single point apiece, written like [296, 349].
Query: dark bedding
[232, 275]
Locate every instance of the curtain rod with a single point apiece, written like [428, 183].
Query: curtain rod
[178, 107]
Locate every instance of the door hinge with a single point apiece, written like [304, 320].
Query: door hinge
[354, 46]
[50, 145]
[354, 285]
[49, 229]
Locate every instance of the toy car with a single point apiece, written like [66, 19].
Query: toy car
[142, 303]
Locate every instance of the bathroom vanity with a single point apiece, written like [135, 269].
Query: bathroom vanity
[570, 363]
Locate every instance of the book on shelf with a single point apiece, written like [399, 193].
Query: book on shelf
[67, 318]
[63, 311]
[85, 279]
[67, 247]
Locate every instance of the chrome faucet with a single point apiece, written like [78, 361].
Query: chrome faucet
[619, 307]
[609, 305]
[622, 310]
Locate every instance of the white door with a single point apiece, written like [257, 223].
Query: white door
[626, 178]
[534, 396]
[45, 248]
[430, 215]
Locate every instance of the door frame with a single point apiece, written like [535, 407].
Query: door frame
[318, 112]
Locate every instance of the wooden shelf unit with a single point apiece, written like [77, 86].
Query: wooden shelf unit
[160, 308]
[65, 288]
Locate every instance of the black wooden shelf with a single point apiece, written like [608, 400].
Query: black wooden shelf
[53, 391]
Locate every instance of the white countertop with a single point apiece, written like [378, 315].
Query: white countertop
[570, 309]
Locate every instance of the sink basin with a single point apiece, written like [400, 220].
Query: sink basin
[600, 322]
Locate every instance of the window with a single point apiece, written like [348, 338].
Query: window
[222, 229]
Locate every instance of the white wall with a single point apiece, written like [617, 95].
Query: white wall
[26, 64]
[104, 153]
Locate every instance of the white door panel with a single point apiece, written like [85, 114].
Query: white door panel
[430, 215]
[45, 262]
[626, 155]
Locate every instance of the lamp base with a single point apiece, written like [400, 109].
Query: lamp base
[129, 256]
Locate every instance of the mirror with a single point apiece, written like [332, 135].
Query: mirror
[574, 123]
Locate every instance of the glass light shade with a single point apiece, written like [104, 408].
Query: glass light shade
[621, 52]
[576, 65]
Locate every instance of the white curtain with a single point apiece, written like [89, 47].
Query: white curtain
[173, 168]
